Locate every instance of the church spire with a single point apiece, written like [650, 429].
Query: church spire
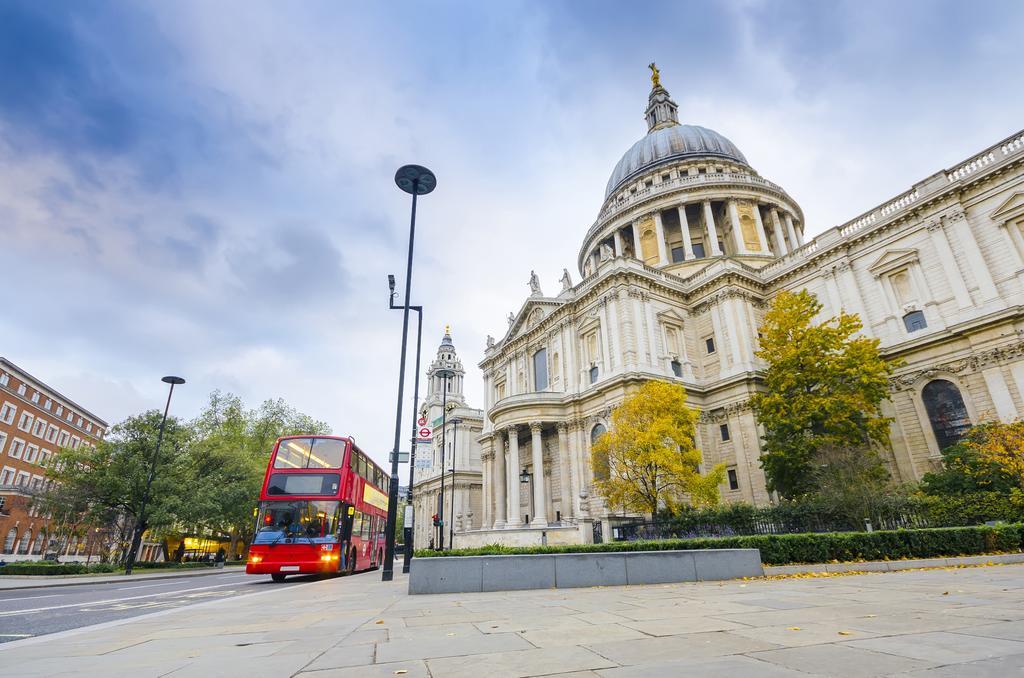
[661, 110]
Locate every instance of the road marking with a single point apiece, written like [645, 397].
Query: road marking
[146, 586]
[15, 635]
[8, 613]
[10, 600]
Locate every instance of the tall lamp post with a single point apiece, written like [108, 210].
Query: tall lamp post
[455, 447]
[445, 374]
[407, 525]
[416, 181]
[140, 523]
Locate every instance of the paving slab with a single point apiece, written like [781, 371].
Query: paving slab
[544, 661]
[694, 645]
[841, 661]
[942, 647]
[726, 667]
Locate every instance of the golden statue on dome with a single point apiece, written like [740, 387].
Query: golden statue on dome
[655, 75]
[447, 329]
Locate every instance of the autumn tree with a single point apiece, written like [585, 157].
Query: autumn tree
[648, 460]
[824, 385]
[990, 458]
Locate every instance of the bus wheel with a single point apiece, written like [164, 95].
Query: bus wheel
[277, 577]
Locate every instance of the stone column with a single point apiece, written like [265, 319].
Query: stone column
[1001, 398]
[515, 517]
[637, 252]
[606, 337]
[737, 234]
[952, 271]
[969, 244]
[540, 501]
[684, 227]
[575, 474]
[563, 470]
[659, 231]
[780, 240]
[498, 483]
[795, 240]
[617, 237]
[849, 291]
[709, 219]
[762, 237]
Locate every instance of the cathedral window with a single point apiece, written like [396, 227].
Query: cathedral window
[734, 482]
[593, 374]
[595, 433]
[915, 321]
[677, 368]
[709, 344]
[946, 410]
[540, 370]
[723, 430]
[698, 250]
[677, 255]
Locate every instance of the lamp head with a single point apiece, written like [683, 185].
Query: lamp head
[391, 282]
[176, 381]
[415, 179]
[524, 477]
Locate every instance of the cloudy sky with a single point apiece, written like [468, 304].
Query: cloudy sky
[206, 188]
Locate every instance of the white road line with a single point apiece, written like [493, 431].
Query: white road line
[8, 613]
[9, 600]
[15, 635]
[146, 586]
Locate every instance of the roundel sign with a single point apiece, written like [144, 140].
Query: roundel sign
[424, 432]
[422, 421]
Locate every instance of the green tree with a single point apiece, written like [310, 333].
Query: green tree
[109, 481]
[227, 461]
[647, 459]
[852, 482]
[823, 387]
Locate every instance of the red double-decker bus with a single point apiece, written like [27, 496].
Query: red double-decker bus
[323, 509]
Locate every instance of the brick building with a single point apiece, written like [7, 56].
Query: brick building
[35, 422]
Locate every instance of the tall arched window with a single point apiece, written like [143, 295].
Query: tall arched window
[595, 433]
[26, 541]
[37, 546]
[12, 534]
[946, 410]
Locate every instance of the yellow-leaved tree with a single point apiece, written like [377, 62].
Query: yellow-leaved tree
[647, 460]
[1000, 447]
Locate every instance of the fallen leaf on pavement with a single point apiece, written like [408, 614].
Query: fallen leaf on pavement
[793, 628]
[401, 671]
[379, 621]
[845, 633]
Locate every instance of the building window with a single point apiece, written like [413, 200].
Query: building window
[25, 423]
[709, 344]
[5, 379]
[7, 476]
[946, 410]
[915, 321]
[75, 441]
[62, 439]
[3, 441]
[26, 540]
[677, 368]
[678, 255]
[70, 415]
[17, 447]
[698, 250]
[12, 534]
[60, 410]
[593, 374]
[22, 389]
[734, 482]
[540, 370]
[31, 452]
[39, 430]
[51, 433]
[35, 397]
[723, 430]
[49, 404]
[7, 413]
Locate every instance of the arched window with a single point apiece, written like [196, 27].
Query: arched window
[677, 368]
[37, 546]
[26, 540]
[12, 534]
[595, 433]
[946, 411]
[540, 370]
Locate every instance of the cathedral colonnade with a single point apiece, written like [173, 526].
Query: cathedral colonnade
[689, 230]
[534, 474]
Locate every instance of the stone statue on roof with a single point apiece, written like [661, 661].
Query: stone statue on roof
[566, 280]
[535, 285]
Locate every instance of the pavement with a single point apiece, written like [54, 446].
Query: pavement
[943, 623]
[40, 611]
[14, 581]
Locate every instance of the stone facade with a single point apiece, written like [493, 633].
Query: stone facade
[687, 252]
[455, 477]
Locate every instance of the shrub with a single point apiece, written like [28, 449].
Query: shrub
[784, 549]
[33, 567]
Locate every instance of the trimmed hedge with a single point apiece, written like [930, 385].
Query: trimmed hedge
[48, 567]
[785, 549]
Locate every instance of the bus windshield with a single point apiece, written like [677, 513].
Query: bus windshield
[311, 520]
[310, 453]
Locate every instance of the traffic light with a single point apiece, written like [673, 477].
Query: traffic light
[437, 522]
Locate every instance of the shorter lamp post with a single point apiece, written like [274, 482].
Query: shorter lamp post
[140, 523]
[455, 448]
[524, 478]
[445, 374]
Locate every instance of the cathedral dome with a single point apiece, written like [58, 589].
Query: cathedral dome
[670, 143]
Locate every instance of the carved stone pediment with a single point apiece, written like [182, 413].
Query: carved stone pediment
[893, 260]
[1012, 209]
[533, 312]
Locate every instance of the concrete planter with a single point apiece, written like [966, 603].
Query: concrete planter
[573, 570]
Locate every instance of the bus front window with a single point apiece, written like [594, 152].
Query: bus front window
[314, 520]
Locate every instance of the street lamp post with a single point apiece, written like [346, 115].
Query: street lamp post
[407, 526]
[140, 523]
[416, 181]
[455, 448]
[446, 375]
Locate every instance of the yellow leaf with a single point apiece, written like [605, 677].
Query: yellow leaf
[379, 621]
[793, 628]
[401, 671]
[845, 633]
